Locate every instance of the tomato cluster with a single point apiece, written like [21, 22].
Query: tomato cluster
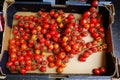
[53, 32]
[98, 71]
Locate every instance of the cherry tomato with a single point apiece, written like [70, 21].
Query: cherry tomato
[56, 15]
[91, 29]
[23, 71]
[50, 58]
[93, 10]
[45, 25]
[86, 54]
[65, 38]
[9, 63]
[28, 62]
[31, 17]
[82, 59]
[21, 58]
[70, 17]
[83, 21]
[67, 48]
[28, 68]
[13, 55]
[56, 46]
[101, 29]
[13, 68]
[22, 62]
[96, 71]
[12, 42]
[52, 12]
[86, 26]
[102, 70]
[95, 34]
[16, 63]
[59, 70]
[58, 62]
[38, 58]
[42, 68]
[23, 46]
[86, 14]
[61, 55]
[51, 64]
[47, 42]
[75, 46]
[84, 34]
[17, 16]
[95, 3]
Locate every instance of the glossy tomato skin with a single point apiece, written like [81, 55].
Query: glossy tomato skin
[96, 71]
[92, 29]
[59, 70]
[84, 34]
[83, 21]
[95, 3]
[9, 63]
[82, 59]
[16, 63]
[102, 70]
[58, 62]
[70, 17]
[28, 68]
[50, 58]
[23, 71]
[38, 58]
[13, 68]
[17, 16]
[42, 68]
[86, 14]
[95, 35]
[86, 54]
[52, 12]
[51, 64]
[28, 62]
[61, 55]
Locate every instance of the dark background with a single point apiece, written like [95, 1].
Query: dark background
[115, 36]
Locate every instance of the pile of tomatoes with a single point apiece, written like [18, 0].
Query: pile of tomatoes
[57, 33]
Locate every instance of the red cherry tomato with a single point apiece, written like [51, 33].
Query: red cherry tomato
[58, 62]
[42, 68]
[86, 14]
[86, 54]
[61, 55]
[23, 71]
[50, 58]
[102, 70]
[9, 63]
[82, 59]
[28, 68]
[96, 71]
[59, 69]
[51, 64]
[95, 3]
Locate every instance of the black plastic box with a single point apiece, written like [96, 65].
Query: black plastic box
[106, 12]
